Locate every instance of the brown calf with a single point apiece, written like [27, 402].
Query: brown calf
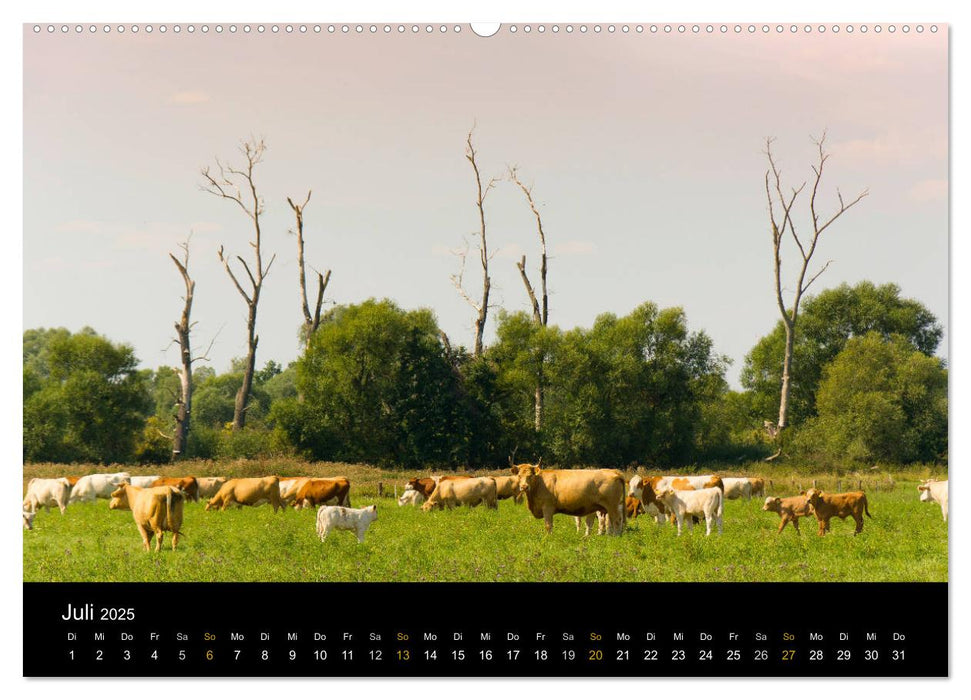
[841, 505]
[790, 509]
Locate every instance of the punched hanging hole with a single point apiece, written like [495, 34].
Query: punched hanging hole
[485, 29]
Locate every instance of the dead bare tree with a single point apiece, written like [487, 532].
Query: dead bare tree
[780, 224]
[310, 321]
[229, 184]
[540, 310]
[481, 307]
[183, 329]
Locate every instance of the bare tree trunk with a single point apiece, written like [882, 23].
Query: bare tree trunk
[481, 307]
[540, 311]
[183, 329]
[310, 321]
[227, 185]
[776, 197]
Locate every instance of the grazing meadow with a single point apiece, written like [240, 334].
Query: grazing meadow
[906, 540]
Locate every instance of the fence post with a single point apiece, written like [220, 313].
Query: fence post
[380, 489]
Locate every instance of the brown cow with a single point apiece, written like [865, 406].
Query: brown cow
[155, 510]
[576, 492]
[183, 483]
[248, 492]
[315, 492]
[841, 505]
[452, 493]
[790, 509]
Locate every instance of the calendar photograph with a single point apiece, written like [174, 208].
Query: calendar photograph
[448, 303]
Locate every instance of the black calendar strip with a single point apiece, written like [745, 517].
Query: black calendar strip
[611, 629]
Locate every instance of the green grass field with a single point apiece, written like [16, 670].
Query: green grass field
[905, 541]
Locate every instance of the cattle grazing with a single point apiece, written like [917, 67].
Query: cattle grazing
[841, 505]
[93, 486]
[44, 493]
[758, 486]
[188, 484]
[28, 520]
[143, 482]
[156, 510]
[508, 487]
[633, 507]
[789, 509]
[316, 492]
[737, 487]
[707, 503]
[576, 492]
[357, 520]
[936, 492]
[248, 492]
[209, 485]
[463, 492]
[411, 498]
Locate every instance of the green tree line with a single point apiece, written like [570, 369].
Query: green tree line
[381, 384]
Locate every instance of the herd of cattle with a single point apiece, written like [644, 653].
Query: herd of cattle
[601, 496]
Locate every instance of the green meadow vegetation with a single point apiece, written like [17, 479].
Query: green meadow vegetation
[905, 541]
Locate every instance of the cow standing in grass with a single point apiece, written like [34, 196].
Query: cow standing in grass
[44, 493]
[934, 492]
[156, 510]
[840, 505]
[451, 493]
[789, 509]
[706, 503]
[248, 492]
[581, 493]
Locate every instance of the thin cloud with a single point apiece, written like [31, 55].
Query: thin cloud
[189, 97]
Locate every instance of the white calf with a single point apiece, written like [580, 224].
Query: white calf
[94, 486]
[44, 493]
[935, 491]
[356, 520]
[706, 503]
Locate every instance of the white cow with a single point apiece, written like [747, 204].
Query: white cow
[143, 482]
[706, 503]
[29, 520]
[411, 498]
[44, 493]
[94, 486]
[737, 487]
[357, 520]
[209, 485]
[935, 491]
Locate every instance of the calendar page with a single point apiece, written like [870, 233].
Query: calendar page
[437, 349]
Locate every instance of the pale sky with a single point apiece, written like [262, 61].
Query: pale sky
[645, 151]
